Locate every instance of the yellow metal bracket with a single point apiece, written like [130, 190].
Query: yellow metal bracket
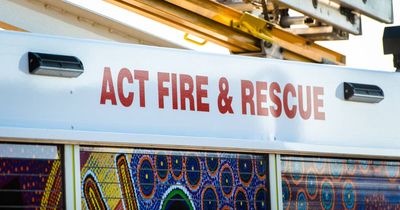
[262, 29]
[253, 25]
[188, 38]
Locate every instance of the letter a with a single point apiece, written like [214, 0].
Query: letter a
[107, 85]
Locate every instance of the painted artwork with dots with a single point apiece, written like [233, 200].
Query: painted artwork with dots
[333, 183]
[31, 177]
[159, 179]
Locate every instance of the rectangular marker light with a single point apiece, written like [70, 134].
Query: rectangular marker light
[363, 93]
[54, 65]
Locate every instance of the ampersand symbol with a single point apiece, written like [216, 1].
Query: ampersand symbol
[224, 101]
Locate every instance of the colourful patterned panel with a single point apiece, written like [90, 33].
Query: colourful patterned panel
[333, 183]
[158, 179]
[31, 177]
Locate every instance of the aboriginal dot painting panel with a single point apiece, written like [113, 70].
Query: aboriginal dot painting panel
[31, 177]
[332, 183]
[159, 179]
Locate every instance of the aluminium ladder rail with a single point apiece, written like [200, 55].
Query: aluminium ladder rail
[237, 31]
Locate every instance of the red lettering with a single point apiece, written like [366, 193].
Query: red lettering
[276, 110]
[318, 103]
[174, 85]
[289, 100]
[107, 85]
[162, 91]
[305, 114]
[184, 80]
[247, 98]
[290, 113]
[261, 98]
[124, 73]
[142, 76]
[201, 93]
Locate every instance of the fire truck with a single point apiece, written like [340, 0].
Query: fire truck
[135, 127]
[89, 124]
